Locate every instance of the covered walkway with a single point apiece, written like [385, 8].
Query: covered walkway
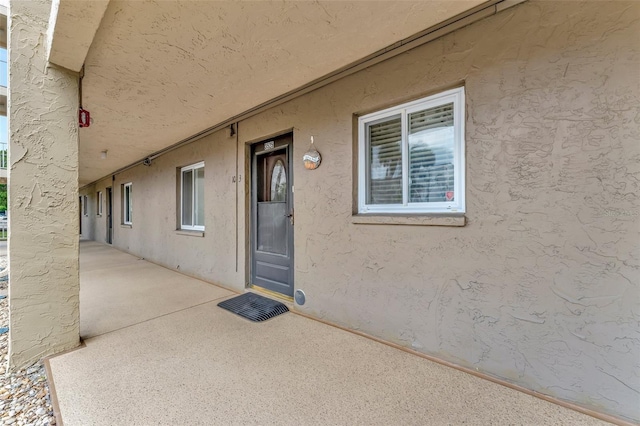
[159, 351]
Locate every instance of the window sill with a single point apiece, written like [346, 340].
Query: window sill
[415, 220]
[125, 225]
[189, 233]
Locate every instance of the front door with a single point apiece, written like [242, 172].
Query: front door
[272, 215]
[109, 216]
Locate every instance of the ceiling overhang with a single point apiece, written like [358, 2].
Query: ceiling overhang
[72, 26]
[158, 72]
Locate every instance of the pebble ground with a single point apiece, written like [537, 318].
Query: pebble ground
[24, 394]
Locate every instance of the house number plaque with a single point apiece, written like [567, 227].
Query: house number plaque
[269, 145]
[312, 157]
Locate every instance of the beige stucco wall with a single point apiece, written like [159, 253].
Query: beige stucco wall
[540, 287]
[153, 232]
[43, 192]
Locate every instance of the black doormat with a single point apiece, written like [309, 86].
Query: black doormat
[254, 307]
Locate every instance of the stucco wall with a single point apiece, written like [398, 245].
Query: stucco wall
[153, 233]
[541, 286]
[43, 193]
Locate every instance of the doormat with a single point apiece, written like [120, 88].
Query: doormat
[254, 307]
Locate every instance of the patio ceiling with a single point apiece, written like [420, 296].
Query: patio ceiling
[160, 71]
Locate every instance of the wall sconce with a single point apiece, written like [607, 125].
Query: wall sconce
[312, 157]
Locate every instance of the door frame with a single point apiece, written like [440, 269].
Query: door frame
[109, 201]
[250, 216]
[80, 211]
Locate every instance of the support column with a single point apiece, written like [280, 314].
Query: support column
[43, 192]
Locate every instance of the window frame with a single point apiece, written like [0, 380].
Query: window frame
[100, 199]
[455, 96]
[85, 206]
[193, 168]
[127, 204]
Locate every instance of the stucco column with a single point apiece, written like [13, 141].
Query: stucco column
[43, 192]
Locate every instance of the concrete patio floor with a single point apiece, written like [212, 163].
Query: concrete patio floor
[159, 351]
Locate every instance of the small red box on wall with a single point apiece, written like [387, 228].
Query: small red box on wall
[84, 118]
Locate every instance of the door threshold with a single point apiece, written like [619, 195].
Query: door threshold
[271, 293]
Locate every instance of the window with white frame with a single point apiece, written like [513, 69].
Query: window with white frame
[411, 157]
[99, 206]
[192, 197]
[127, 206]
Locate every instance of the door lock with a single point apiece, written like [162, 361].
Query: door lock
[290, 216]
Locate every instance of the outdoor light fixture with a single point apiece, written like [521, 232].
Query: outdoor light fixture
[103, 154]
[312, 157]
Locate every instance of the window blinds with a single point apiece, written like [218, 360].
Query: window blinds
[385, 162]
[431, 157]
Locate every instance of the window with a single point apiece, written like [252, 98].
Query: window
[99, 206]
[192, 197]
[279, 182]
[85, 208]
[411, 157]
[127, 207]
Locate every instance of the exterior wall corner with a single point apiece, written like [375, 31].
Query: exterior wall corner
[43, 191]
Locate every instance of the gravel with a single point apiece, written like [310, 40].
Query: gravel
[4, 278]
[24, 394]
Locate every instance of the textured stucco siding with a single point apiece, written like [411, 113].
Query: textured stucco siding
[159, 71]
[43, 193]
[153, 232]
[540, 288]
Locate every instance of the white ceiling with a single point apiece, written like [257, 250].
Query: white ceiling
[160, 71]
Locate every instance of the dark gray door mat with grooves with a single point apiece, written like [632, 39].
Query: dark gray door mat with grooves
[254, 307]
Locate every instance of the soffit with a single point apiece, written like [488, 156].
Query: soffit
[72, 27]
[158, 72]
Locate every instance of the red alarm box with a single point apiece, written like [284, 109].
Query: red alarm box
[84, 118]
